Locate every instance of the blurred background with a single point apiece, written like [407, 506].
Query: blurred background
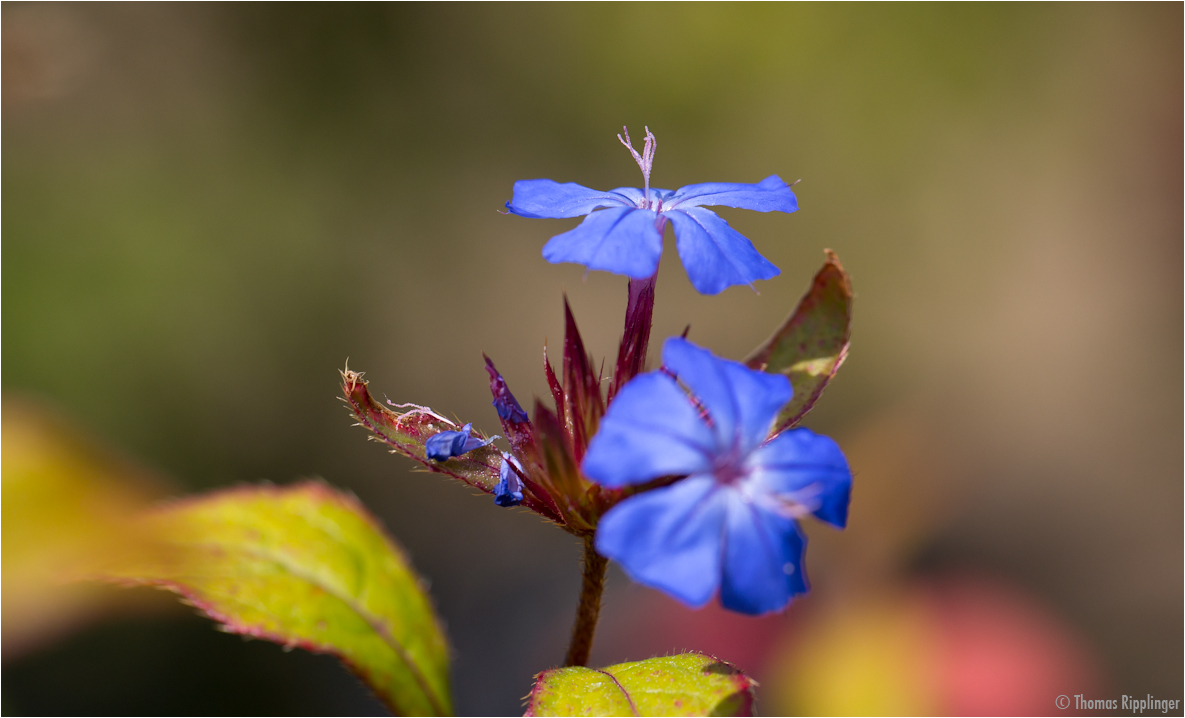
[209, 208]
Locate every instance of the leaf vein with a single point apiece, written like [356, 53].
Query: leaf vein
[375, 623]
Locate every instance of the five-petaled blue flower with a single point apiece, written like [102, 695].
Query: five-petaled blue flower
[447, 444]
[625, 236]
[730, 525]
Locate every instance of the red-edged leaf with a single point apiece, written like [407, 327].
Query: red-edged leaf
[812, 343]
[304, 566]
[557, 391]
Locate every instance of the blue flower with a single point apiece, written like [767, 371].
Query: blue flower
[731, 524]
[448, 444]
[625, 236]
[509, 491]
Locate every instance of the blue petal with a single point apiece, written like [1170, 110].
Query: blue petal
[715, 255]
[621, 240]
[509, 491]
[650, 430]
[801, 464]
[669, 538]
[447, 444]
[473, 442]
[637, 196]
[741, 402]
[656, 194]
[541, 198]
[769, 195]
[762, 560]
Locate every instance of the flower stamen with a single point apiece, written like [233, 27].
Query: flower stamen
[645, 160]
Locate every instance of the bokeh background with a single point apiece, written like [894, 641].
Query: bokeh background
[208, 209]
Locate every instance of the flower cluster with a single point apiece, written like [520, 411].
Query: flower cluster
[692, 477]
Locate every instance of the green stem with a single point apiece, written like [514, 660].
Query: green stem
[591, 589]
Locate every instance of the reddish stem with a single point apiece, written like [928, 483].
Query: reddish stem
[593, 585]
[639, 315]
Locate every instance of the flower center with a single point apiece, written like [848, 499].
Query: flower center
[645, 160]
[730, 468]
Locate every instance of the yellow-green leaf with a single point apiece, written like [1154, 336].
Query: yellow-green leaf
[812, 343]
[67, 503]
[689, 684]
[307, 567]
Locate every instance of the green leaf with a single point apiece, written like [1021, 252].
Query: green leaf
[307, 567]
[689, 684]
[405, 432]
[812, 343]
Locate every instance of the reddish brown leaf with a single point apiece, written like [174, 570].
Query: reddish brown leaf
[812, 343]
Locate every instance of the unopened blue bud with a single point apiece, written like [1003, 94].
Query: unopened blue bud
[509, 410]
[509, 491]
[447, 444]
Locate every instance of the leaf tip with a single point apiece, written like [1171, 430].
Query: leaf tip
[835, 266]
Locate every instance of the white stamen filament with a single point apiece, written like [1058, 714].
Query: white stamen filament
[417, 410]
[645, 160]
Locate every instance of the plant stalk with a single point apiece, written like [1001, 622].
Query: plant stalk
[593, 585]
[631, 356]
[639, 314]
